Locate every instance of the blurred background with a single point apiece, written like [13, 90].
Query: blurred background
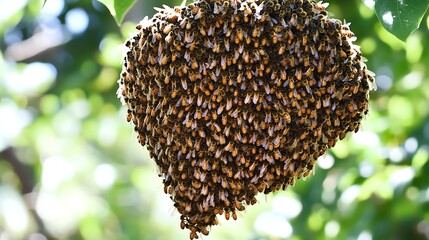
[71, 167]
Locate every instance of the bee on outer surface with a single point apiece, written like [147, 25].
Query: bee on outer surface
[228, 147]
[227, 216]
[228, 104]
[198, 13]
[239, 35]
[265, 16]
[298, 74]
[223, 62]
[217, 7]
[255, 97]
[224, 120]
[194, 64]
[181, 187]
[198, 113]
[274, 37]
[285, 116]
[204, 231]
[247, 99]
[220, 108]
[216, 47]
[282, 49]
[256, 32]
[226, 43]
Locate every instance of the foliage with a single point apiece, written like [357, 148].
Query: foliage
[71, 168]
[399, 17]
[118, 9]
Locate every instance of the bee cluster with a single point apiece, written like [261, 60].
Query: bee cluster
[237, 97]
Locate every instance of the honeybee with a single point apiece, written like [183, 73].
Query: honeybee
[234, 215]
[182, 187]
[204, 165]
[197, 185]
[183, 224]
[255, 97]
[204, 231]
[194, 64]
[229, 172]
[247, 10]
[247, 98]
[228, 147]
[198, 13]
[298, 74]
[275, 37]
[309, 71]
[129, 117]
[156, 36]
[282, 49]
[217, 7]
[256, 32]
[264, 41]
[222, 140]
[218, 153]
[188, 123]
[216, 47]
[286, 116]
[239, 34]
[352, 106]
[264, 16]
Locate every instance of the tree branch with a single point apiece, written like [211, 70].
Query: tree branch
[26, 177]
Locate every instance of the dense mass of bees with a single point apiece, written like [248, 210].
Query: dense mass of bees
[237, 97]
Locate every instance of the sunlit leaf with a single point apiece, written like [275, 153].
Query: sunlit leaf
[118, 8]
[401, 17]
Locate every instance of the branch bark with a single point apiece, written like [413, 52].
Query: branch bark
[27, 180]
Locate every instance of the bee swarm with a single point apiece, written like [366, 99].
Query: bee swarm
[237, 97]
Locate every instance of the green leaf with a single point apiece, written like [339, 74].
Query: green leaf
[118, 8]
[401, 17]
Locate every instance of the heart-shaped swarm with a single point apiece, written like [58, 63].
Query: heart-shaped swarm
[236, 97]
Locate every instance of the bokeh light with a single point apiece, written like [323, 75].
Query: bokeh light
[77, 20]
